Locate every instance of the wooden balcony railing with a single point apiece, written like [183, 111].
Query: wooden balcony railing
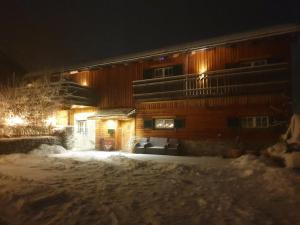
[229, 82]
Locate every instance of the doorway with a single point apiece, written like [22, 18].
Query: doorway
[84, 132]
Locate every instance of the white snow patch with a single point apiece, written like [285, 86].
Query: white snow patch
[48, 150]
[93, 187]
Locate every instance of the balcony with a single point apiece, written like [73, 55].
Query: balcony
[269, 78]
[72, 93]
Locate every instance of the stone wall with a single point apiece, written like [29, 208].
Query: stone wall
[215, 147]
[25, 144]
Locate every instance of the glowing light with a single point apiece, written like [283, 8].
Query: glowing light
[84, 83]
[15, 121]
[111, 124]
[78, 106]
[74, 72]
[202, 69]
[51, 121]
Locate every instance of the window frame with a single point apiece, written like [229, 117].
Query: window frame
[82, 127]
[162, 72]
[255, 122]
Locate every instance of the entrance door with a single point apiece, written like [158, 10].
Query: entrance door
[84, 133]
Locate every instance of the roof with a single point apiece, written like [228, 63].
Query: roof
[118, 113]
[192, 46]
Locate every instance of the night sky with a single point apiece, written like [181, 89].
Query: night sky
[42, 34]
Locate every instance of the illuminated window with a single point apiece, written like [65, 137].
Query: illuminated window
[255, 122]
[164, 123]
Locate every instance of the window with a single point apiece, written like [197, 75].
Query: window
[161, 72]
[254, 63]
[164, 123]
[255, 122]
[82, 127]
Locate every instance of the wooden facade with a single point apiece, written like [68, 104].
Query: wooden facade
[204, 116]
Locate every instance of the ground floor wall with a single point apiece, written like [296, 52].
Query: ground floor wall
[216, 119]
[208, 124]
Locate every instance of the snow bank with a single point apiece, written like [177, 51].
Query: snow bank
[48, 150]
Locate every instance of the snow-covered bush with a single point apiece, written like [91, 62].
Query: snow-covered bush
[26, 107]
[48, 149]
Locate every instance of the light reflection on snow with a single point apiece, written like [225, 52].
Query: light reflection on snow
[93, 155]
[88, 155]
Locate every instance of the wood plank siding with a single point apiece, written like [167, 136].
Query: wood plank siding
[205, 117]
[113, 84]
[208, 118]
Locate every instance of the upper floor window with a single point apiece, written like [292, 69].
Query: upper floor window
[253, 63]
[161, 72]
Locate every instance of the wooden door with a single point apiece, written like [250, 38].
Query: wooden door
[118, 139]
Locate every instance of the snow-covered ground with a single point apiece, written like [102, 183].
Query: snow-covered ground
[92, 187]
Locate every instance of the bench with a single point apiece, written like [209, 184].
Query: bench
[158, 146]
[140, 146]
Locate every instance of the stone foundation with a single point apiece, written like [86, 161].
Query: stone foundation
[221, 147]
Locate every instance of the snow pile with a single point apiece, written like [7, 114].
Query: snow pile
[48, 150]
[277, 150]
[249, 164]
[276, 179]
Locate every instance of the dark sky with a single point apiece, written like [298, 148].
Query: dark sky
[42, 34]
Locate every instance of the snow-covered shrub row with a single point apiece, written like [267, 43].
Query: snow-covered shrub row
[25, 144]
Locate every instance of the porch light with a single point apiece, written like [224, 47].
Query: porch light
[202, 69]
[202, 76]
[15, 121]
[84, 83]
[111, 124]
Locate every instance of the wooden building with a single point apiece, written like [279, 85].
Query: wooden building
[225, 88]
